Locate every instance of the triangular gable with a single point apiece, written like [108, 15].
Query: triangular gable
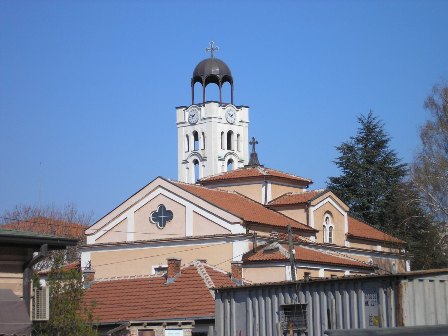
[327, 194]
[141, 216]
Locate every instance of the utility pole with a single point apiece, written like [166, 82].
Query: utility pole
[291, 254]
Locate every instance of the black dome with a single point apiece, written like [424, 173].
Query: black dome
[211, 70]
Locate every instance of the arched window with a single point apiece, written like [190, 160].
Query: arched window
[230, 140]
[196, 170]
[238, 145]
[324, 231]
[203, 140]
[222, 140]
[328, 229]
[187, 143]
[230, 165]
[196, 140]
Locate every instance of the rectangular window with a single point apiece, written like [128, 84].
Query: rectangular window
[293, 319]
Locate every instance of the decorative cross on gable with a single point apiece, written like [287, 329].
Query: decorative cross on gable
[212, 48]
[161, 216]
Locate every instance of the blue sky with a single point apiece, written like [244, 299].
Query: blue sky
[88, 88]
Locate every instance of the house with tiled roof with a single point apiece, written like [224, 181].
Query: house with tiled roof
[227, 207]
[178, 300]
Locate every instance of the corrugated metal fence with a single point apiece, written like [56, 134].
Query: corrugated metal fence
[310, 308]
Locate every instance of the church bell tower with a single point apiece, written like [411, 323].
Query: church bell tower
[212, 136]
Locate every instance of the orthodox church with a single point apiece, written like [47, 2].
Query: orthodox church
[231, 213]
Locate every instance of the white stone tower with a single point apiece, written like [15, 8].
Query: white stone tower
[212, 136]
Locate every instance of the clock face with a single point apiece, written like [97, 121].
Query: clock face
[230, 115]
[193, 116]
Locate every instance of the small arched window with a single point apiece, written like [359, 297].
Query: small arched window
[187, 143]
[230, 140]
[203, 140]
[238, 145]
[328, 229]
[324, 231]
[196, 170]
[230, 165]
[196, 140]
[222, 140]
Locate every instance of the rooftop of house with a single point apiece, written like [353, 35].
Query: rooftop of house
[243, 207]
[254, 172]
[361, 230]
[153, 298]
[296, 198]
[275, 252]
[45, 225]
[26, 239]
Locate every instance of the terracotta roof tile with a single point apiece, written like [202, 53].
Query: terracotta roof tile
[150, 298]
[76, 265]
[253, 172]
[243, 207]
[296, 198]
[359, 229]
[303, 254]
[49, 226]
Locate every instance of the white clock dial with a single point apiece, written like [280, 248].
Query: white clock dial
[193, 116]
[230, 115]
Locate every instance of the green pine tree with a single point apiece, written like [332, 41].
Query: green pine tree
[371, 172]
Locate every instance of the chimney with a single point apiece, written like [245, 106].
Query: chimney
[237, 271]
[88, 275]
[173, 267]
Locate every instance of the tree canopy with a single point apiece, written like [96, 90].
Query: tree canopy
[370, 172]
[69, 314]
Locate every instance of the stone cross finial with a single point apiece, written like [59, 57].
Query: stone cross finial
[212, 48]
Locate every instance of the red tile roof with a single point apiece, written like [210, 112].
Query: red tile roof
[303, 254]
[253, 172]
[151, 298]
[51, 226]
[359, 229]
[76, 265]
[243, 207]
[296, 198]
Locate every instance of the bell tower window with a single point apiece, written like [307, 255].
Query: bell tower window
[203, 140]
[238, 143]
[187, 143]
[230, 140]
[222, 140]
[196, 171]
[196, 140]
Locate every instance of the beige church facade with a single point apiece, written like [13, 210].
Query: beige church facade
[228, 209]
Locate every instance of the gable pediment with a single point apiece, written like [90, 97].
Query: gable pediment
[161, 210]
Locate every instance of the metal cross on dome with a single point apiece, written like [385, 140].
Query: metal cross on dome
[161, 216]
[212, 48]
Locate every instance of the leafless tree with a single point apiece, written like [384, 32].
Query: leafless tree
[429, 170]
[66, 222]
